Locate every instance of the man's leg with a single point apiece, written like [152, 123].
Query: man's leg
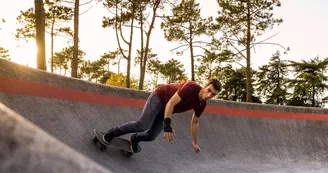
[150, 134]
[152, 107]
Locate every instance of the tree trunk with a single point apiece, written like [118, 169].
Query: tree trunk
[141, 51]
[235, 98]
[130, 49]
[40, 34]
[76, 39]
[191, 52]
[143, 70]
[52, 45]
[248, 56]
[313, 96]
[117, 38]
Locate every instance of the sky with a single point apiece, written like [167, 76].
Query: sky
[304, 30]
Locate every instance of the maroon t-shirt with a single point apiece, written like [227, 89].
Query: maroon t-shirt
[188, 92]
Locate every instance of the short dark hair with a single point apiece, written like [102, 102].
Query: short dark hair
[215, 82]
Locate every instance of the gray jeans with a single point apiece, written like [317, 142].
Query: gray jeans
[149, 126]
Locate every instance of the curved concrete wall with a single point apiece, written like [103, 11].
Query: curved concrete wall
[26, 148]
[234, 137]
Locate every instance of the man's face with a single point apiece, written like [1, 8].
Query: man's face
[209, 92]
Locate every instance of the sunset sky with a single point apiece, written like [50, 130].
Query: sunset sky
[304, 30]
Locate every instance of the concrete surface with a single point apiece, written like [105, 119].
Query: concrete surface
[27, 148]
[233, 137]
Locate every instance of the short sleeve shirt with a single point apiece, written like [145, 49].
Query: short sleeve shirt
[188, 92]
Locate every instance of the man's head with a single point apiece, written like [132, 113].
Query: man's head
[212, 88]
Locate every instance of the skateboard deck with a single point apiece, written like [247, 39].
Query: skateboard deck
[119, 143]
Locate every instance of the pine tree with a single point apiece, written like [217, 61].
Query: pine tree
[272, 80]
[185, 25]
[240, 22]
[310, 82]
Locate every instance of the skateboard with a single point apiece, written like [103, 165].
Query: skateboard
[120, 143]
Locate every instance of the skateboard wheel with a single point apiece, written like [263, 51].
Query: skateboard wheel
[126, 153]
[95, 139]
[103, 147]
[129, 154]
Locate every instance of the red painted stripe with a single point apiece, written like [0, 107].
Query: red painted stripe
[23, 87]
[266, 114]
[15, 86]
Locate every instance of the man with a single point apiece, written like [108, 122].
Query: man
[161, 104]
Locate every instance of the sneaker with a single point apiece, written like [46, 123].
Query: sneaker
[108, 137]
[134, 143]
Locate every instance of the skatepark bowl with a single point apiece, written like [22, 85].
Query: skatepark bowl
[47, 122]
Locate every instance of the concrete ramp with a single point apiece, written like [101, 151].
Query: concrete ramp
[26, 148]
[233, 137]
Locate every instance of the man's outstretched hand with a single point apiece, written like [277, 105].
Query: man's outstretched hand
[169, 135]
[196, 147]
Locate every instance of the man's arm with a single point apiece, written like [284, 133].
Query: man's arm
[194, 128]
[168, 131]
[175, 99]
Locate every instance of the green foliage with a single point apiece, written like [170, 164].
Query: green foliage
[153, 69]
[27, 19]
[154, 66]
[94, 71]
[298, 101]
[125, 12]
[211, 64]
[173, 71]
[99, 70]
[234, 87]
[63, 59]
[184, 25]
[55, 14]
[240, 22]
[4, 53]
[233, 17]
[107, 58]
[272, 80]
[141, 7]
[310, 82]
[122, 8]
[119, 81]
[185, 22]
[137, 59]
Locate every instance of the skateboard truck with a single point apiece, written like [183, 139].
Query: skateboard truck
[117, 142]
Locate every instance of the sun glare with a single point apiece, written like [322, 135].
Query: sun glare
[25, 54]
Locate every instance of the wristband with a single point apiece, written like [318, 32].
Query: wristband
[167, 125]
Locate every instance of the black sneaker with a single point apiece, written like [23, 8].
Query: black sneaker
[134, 143]
[108, 137]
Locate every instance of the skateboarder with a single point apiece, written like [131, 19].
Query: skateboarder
[161, 104]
